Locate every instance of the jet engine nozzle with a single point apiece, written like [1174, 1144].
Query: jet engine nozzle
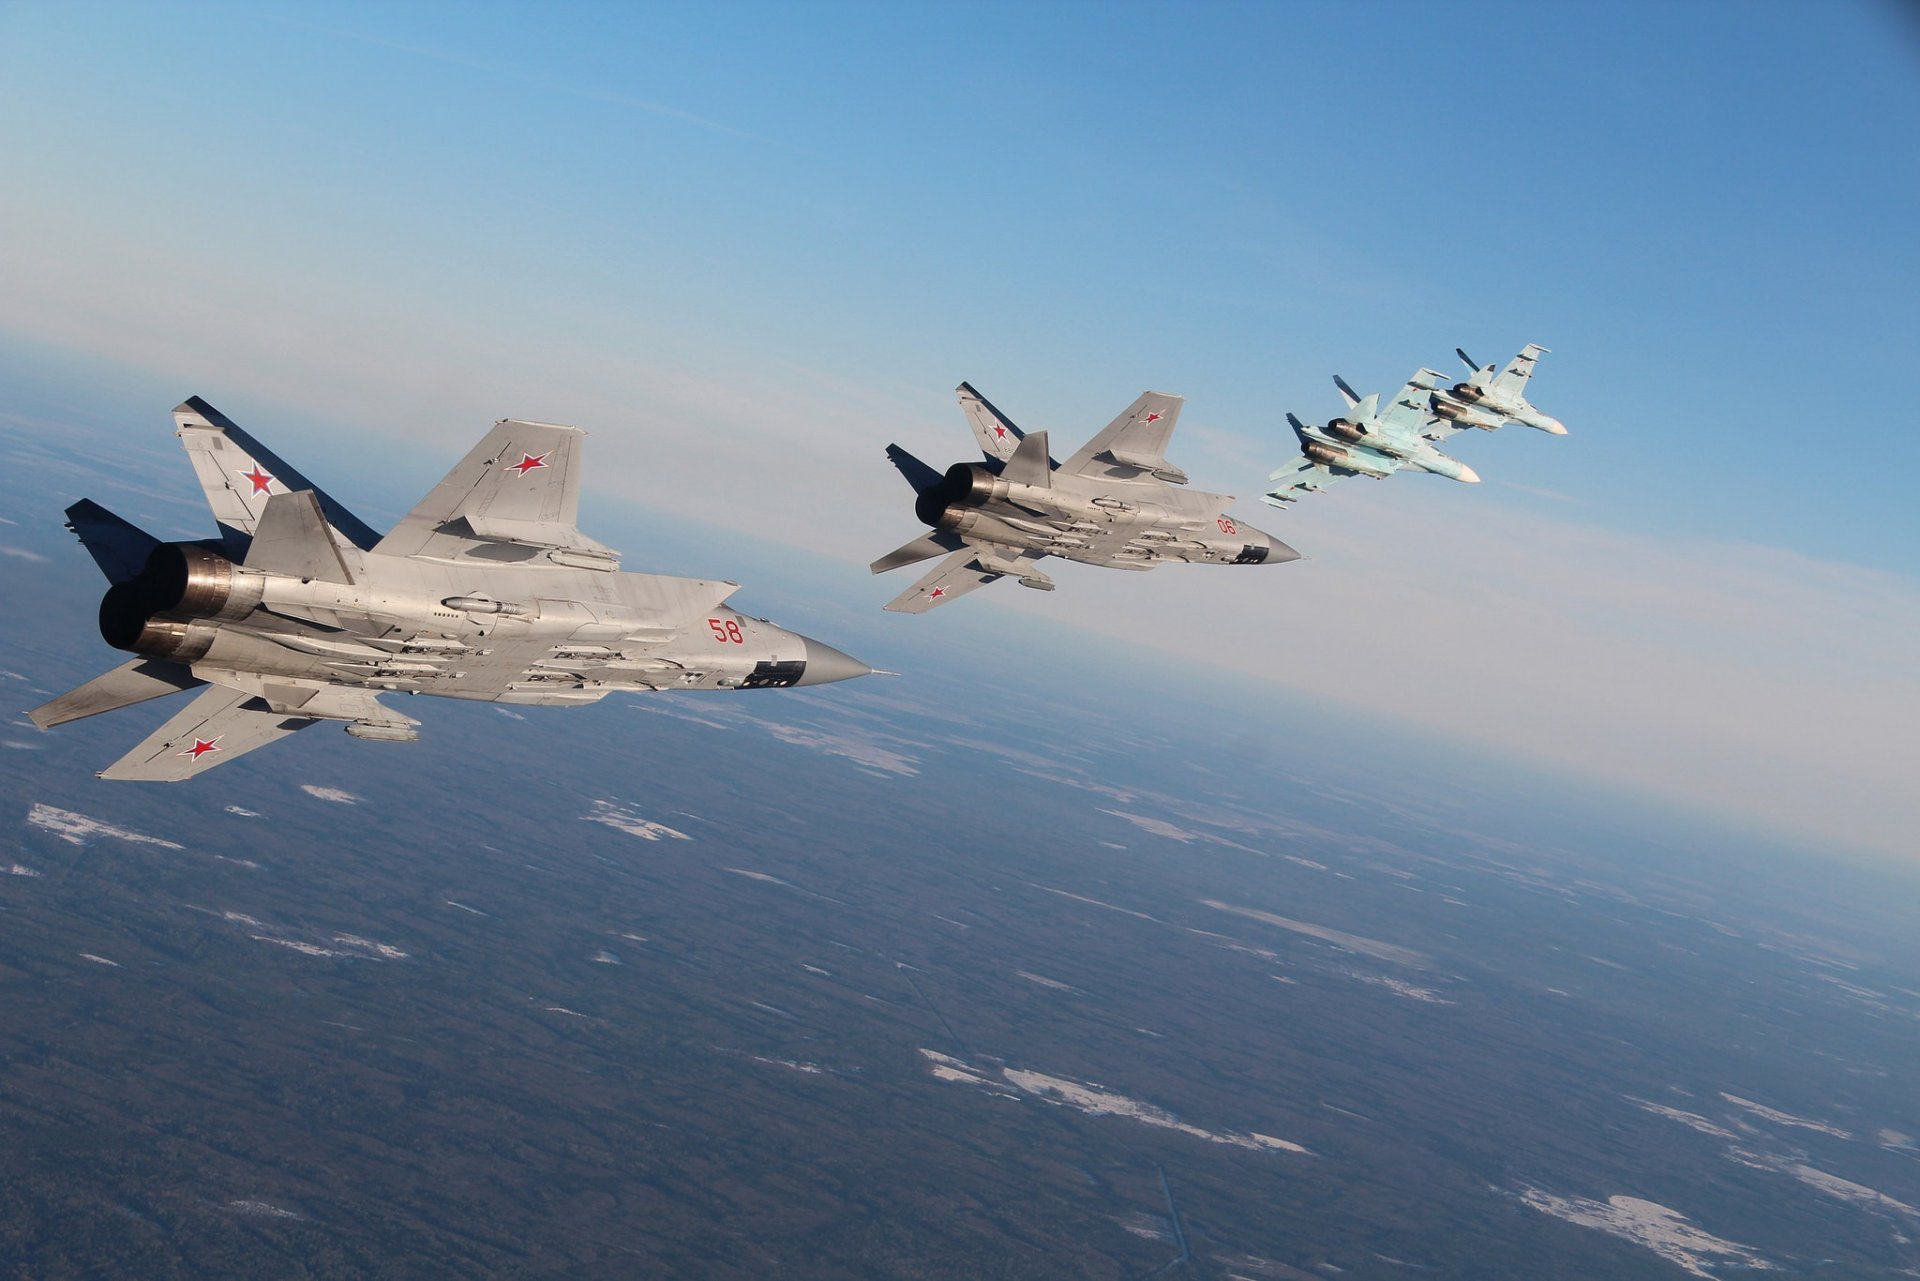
[155, 611]
[186, 578]
[126, 623]
[1466, 392]
[964, 485]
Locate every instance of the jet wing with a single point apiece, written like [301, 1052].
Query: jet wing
[1134, 444]
[1301, 476]
[969, 568]
[519, 485]
[219, 725]
[1410, 412]
[1511, 382]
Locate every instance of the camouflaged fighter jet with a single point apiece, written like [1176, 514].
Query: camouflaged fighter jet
[1117, 503]
[1370, 441]
[487, 590]
[1493, 399]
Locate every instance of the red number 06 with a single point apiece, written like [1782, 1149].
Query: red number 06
[728, 631]
[1226, 526]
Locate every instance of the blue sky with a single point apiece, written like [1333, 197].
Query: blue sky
[746, 245]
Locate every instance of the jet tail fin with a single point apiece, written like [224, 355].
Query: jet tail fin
[918, 474]
[118, 547]
[131, 682]
[1466, 360]
[1299, 428]
[238, 474]
[1347, 393]
[293, 538]
[1029, 464]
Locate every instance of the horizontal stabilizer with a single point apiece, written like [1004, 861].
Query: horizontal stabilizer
[925, 547]
[294, 539]
[118, 547]
[1030, 464]
[918, 474]
[132, 682]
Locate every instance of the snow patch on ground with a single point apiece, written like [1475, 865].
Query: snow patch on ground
[1830, 1184]
[1094, 902]
[464, 908]
[262, 1209]
[78, 829]
[1689, 1119]
[1044, 981]
[604, 957]
[1399, 988]
[1667, 1233]
[621, 819]
[367, 947]
[860, 751]
[20, 869]
[1157, 826]
[768, 877]
[305, 949]
[337, 795]
[241, 813]
[98, 960]
[811, 1069]
[1352, 942]
[1095, 1100]
[1778, 1117]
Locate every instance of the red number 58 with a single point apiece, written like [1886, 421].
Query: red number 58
[727, 631]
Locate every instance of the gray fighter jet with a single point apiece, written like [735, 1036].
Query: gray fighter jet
[1118, 502]
[487, 590]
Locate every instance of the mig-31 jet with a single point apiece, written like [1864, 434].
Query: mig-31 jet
[300, 613]
[1117, 502]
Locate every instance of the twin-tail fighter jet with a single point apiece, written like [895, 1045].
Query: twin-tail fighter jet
[299, 613]
[1498, 398]
[1368, 440]
[1117, 502]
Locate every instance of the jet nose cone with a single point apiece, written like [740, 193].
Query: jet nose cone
[1278, 553]
[825, 664]
[1553, 426]
[1468, 475]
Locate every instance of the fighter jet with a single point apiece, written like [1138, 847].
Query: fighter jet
[1370, 441]
[1118, 502]
[299, 613]
[1490, 399]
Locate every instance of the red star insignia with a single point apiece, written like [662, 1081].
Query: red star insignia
[261, 482]
[529, 461]
[1152, 418]
[999, 431]
[938, 592]
[201, 746]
